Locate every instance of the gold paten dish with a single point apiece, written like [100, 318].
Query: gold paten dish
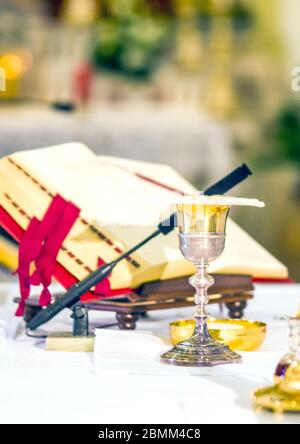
[273, 398]
[239, 335]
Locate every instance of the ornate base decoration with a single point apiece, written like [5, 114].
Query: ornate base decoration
[204, 353]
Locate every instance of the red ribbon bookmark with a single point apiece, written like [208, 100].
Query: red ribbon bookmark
[40, 245]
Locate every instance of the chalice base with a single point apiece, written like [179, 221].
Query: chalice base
[204, 353]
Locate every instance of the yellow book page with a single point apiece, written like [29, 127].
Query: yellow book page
[245, 255]
[8, 254]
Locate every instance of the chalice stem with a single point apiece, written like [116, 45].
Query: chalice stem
[201, 281]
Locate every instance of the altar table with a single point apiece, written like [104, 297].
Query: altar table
[39, 386]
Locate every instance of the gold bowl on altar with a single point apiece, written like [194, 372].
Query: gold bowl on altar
[239, 335]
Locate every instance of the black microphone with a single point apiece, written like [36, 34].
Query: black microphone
[229, 181]
[73, 295]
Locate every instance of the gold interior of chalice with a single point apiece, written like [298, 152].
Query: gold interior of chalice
[239, 335]
[204, 219]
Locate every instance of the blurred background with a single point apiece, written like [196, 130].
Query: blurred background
[202, 85]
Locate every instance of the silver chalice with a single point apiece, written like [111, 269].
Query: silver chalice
[202, 228]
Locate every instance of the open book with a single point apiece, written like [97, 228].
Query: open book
[121, 202]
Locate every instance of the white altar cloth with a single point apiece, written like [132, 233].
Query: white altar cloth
[56, 387]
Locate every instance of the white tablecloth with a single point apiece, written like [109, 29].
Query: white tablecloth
[55, 387]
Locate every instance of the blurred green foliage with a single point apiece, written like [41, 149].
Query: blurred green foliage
[284, 138]
[132, 45]
[132, 36]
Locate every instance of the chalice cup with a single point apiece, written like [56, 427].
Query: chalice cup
[202, 237]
